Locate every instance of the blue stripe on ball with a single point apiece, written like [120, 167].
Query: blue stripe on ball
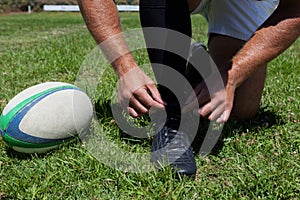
[13, 127]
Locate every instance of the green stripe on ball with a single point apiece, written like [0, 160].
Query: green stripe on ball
[5, 119]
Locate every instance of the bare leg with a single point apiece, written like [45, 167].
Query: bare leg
[248, 95]
[193, 4]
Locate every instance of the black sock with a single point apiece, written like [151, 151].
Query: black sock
[171, 15]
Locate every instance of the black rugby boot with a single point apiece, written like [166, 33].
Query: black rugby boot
[173, 147]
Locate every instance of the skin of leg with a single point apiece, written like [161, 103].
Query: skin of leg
[193, 4]
[247, 97]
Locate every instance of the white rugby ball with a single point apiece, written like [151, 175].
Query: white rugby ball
[44, 116]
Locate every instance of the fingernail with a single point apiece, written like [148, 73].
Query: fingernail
[219, 120]
[160, 102]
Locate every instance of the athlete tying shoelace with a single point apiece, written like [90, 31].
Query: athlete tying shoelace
[244, 35]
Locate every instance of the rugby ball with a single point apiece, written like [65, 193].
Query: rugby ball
[44, 116]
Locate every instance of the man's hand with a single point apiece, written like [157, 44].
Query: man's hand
[214, 100]
[137, 93]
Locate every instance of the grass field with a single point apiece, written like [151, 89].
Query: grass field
[258, 159]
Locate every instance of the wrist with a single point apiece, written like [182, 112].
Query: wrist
[124, 64]
[232, 78]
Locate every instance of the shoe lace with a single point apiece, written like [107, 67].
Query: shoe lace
[169, 134]
[171, 131]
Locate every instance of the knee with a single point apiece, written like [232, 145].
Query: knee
[245, 113]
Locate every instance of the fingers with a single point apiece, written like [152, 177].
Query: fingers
[213, 109]
[137, 93]
[228, 106]
[132, 112]
[143, 99]
[219, 108]
[149, 96]
[138, 106]
[224, 117]
[213, 112]
[156, 96]
[199, 97]
[216, 113]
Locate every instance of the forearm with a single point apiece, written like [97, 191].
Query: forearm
[274, 37]
[103, 22]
